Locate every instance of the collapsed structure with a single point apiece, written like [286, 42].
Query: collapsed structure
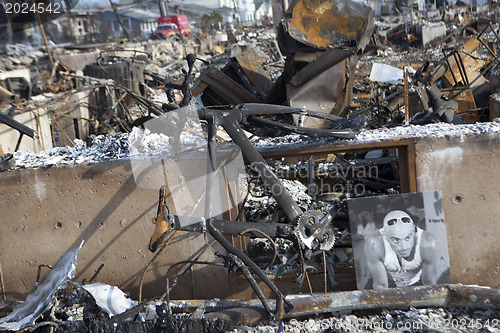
[260, 152]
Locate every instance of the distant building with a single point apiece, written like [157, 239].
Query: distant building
[138, 22]
[81, 24]
[263, 12]
[243, 11]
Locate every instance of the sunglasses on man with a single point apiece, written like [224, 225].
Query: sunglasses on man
[404, 219]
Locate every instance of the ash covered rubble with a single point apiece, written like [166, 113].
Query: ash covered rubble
[384, 79]
[59, 304]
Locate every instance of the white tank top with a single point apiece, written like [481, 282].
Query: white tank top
[408, 272]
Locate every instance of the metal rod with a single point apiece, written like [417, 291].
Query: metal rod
[211, 167]
[18, 144]
[456, 56]
[226, 227]
[324, 272]
[407, 111]
[249, 262]
[255, 286]
[17, 126]
[43, 34]
[487, 68]
[451, 68]
[313, 132]
[191, 263]
[96, 273]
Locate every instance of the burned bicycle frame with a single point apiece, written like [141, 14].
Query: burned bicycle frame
[230, 119]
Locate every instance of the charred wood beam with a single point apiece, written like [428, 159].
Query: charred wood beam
[452, 295]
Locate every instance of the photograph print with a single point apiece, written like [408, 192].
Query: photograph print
[399, 240]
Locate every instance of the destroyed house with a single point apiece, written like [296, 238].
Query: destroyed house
[139, 22]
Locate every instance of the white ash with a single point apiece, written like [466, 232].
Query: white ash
[143, 142]
[291, 139]
[269, 204]
[102, 149]
[298, 192]
[438, 130]
[116, 147]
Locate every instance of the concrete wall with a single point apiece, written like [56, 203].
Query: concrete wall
[46, 212]
[466, 171]
[432, 32]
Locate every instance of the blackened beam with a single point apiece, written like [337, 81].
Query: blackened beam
[406, 149]
[23, 129]
[227, 87]
[326, 60]
[452, 295]
[331, 147]
[312, 132]
[262, 109]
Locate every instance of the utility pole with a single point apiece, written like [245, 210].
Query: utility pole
[163, 8]
[113, 5]
[277, 12]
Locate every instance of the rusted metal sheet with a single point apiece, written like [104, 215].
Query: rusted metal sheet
[464, 65]
[251, 63]
[330, 23]
[320, 94]
[325, 61]
[322, 88]
[339, 27]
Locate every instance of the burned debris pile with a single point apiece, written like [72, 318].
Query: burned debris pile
[258, 139]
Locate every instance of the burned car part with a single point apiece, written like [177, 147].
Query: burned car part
[325, 24]
[321, 41]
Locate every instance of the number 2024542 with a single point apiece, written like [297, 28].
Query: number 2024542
[32, 8]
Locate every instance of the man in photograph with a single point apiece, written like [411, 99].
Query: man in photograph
[400, 254]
